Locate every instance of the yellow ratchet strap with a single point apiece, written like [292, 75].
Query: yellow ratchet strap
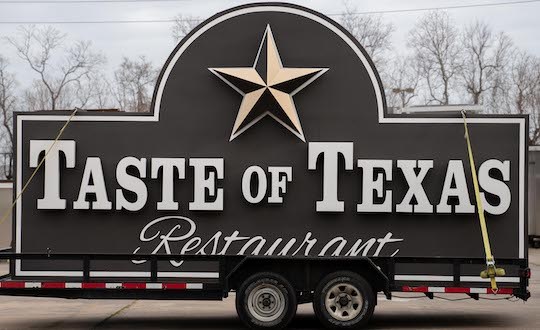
[491, 271]
[8, 211]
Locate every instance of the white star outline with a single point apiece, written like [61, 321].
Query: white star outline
[299, 133]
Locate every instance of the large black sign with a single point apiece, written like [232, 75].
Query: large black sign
[268, 135]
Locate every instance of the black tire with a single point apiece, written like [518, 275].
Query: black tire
[346, 284]
[259, 290]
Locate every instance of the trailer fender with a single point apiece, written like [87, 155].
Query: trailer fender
[305, 273]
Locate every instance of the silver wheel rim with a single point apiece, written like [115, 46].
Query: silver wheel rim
[343, 302]
[266, 302]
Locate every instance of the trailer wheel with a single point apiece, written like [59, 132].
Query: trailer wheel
[266, 300]
[344, 300]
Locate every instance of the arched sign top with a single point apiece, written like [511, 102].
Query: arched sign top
[245, 11]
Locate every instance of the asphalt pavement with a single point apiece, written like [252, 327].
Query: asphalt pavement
[403, 312]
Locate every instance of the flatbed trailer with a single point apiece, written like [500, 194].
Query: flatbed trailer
[304, 280]
[331, 204]
[303, 273]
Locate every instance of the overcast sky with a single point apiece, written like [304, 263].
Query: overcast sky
[154, 40]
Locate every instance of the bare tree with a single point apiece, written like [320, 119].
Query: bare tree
[534, 118]
[183, 25]
[91, 92]
[435, 43]
[498, 99]
[134, 81]
[38, 47]
[402, 81]
[370, 31]
[36, 97]
[7, 106]
[77, 94]
[101, 91]
[484, 56]
[525, 91]
[524, 79]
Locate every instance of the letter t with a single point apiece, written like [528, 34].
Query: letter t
[330, 152]
[51, 197]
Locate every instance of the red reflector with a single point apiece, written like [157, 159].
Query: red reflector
[12, 285]
[174, 286]
[501, 291]
[93, 285]
[53, 285]
[415, 289]
[457, 290]
[134, 285]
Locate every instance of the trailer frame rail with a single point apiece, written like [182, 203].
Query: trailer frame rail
[154, 287]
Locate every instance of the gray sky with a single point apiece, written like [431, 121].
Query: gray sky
[154, 40]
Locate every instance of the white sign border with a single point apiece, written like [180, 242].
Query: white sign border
[155, 117]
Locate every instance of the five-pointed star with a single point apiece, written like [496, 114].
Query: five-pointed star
[267, 88]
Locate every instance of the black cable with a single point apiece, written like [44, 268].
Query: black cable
[97, 22]
[412, 297]
[452, 299]
[441, 8]
[511, 298]
[81, 1]
[173, 20]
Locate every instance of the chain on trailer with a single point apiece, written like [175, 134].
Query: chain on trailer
[8, 211]
[491, 270]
